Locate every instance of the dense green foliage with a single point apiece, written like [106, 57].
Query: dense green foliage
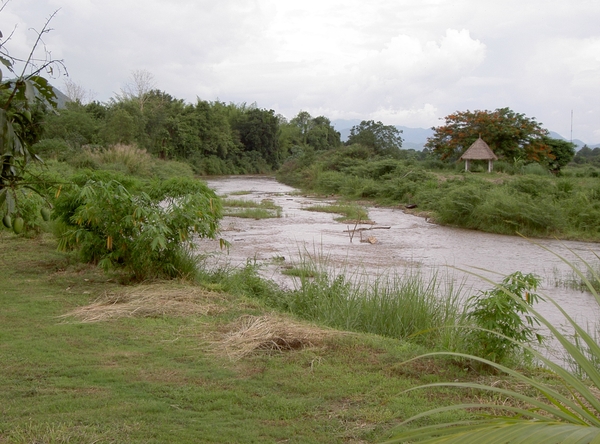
[382, 139]
[213, 137]
[586, 155]
[315, 132]
[149, 235]
[561, 153]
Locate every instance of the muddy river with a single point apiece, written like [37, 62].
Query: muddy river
[398, 241]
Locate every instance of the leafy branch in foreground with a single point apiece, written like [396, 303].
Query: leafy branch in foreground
[567, 410]
[23, 100]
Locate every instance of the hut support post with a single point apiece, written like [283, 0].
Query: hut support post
[490, 165]
[467, 165]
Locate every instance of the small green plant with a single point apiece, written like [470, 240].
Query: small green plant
[503, 317]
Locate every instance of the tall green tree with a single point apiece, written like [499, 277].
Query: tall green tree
[512, 136]
[258, 131]
[383, 139]
[561, 153]
[160, 113]
[74, 124]
[317, 132]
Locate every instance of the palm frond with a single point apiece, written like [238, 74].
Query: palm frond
[502, 431]
[567, 411]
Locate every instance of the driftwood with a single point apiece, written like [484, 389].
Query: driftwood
[365, 229]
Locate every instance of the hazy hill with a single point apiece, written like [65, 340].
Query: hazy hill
[578, 143]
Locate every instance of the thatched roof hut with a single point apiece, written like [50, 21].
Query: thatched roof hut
[479, 150]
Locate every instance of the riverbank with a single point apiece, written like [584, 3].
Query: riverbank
[531, 202]
[410, 244]
[85, 359]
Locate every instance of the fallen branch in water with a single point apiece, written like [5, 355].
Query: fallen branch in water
[365, 229]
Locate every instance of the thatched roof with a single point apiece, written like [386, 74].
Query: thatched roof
[479, 151]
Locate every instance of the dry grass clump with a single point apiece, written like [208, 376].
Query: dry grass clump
[269, 333]
[131, 158]
[152, 300]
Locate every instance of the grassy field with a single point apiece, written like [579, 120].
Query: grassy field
[85, 359]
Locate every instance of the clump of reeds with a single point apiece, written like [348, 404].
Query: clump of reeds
[397, 305]
[153, 300]
[130, 158]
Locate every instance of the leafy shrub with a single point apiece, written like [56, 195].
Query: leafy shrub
[459, 205]
[536, 169]
[375, 169]
[147, 237]
[83, 159]
[82, 177]
[498, 313]
[501, 212]
[53, 148]
[329, 182]
[535, 187]
[167, 169]
[208, 165]
[502, 166]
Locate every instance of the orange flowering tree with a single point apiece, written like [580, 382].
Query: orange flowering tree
[512, 136]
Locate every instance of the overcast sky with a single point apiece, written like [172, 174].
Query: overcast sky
[404, 62]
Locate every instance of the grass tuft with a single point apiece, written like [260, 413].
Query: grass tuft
[250, 209]
[349, 212]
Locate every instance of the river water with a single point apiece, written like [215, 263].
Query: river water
[400, 241]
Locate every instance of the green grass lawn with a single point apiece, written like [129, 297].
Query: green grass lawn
[164, 374]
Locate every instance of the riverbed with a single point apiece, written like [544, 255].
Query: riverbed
[394, 242]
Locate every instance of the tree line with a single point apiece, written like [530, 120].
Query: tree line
[214, 137]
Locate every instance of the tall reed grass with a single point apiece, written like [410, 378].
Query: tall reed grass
[128, 158]
[398, 305]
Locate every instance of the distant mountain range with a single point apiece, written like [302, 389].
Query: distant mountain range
[415, 138]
